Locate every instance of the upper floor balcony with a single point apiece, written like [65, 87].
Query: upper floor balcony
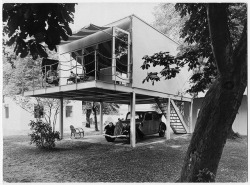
[104, 64]
[107, 61]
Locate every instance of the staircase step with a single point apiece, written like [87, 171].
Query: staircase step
[177, 126]
[175, 121]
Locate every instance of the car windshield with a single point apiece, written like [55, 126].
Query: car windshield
[138, 115]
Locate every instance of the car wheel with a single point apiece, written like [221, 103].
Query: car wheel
[162, 129]
[162, 133]
[110, 139]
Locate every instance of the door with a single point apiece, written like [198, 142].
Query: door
[146, 123]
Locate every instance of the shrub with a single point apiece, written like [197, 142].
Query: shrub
[42, 135]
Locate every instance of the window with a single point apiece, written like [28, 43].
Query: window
[148, 117]
[68, 111]
[137, 116]
[6, 107]
[156, 116]
[38, 111]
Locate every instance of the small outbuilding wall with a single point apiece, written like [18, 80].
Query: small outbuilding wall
[240, 122]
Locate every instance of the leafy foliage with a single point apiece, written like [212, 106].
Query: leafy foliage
[108, 108]
[29, 26]
[171, 66]
[196, 50]
[50, 106]
[25, 73]
[18, 75]
[165, 14]
[205, 176]
[42, 135]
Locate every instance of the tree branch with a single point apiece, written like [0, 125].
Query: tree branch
[241, 48]
[220, 37]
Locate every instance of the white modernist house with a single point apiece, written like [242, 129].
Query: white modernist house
[107, 64]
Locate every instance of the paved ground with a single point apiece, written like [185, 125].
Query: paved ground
[147, 140]
[92, 136]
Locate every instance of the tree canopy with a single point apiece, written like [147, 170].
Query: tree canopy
[195, 49]
[215, 35]
[33, 27]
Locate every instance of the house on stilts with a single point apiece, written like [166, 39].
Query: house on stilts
[105, 63]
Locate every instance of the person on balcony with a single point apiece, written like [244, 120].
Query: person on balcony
[72, 77]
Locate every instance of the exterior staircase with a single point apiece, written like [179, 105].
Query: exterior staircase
[177, 122]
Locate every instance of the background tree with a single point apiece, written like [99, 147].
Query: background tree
[51, 107]
[94, 108]
[169, 21]
[195, 46]
[227, 61]
[108, 108]
[19, 76]
[88, 111]
[194, 40]
[31, 26]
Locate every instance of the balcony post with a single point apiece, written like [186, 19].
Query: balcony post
[76, 70]
[60, 73]
[33, 78]
[41, 70]
[45, 76]
[95, 65]
[113, 56]
[61, 117]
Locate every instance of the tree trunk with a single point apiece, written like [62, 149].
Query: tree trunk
[215, 120]
[88, 113]
[94, 110]
[221, 103]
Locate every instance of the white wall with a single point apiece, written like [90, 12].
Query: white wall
[240, 122]
[18, 121]
[147, 41]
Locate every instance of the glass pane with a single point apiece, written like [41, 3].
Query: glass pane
[121, 54]
[105, 55]
[104, 58]
[76, 62]
[148, 117]
[89, 60]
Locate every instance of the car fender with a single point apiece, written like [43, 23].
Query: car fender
[162, 126]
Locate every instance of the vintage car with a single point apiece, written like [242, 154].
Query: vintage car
[147, 123]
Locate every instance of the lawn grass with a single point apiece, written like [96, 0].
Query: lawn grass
[77, 161]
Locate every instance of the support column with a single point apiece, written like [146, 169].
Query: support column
[61, 117]
[191, 117]
[101, 117]
[132, 120]
[168, 120]
[187, 109]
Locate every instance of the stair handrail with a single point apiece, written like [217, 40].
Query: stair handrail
[179, 115]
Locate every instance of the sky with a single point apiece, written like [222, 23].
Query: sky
[103, 13]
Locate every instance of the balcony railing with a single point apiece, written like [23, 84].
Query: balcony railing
[100, 69]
